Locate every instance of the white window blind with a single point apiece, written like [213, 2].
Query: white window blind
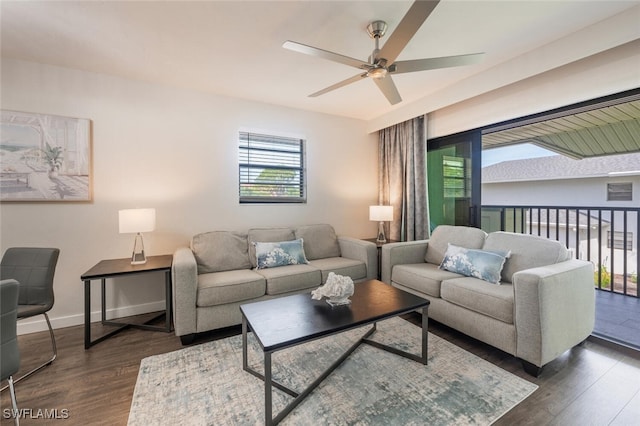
[272, 169]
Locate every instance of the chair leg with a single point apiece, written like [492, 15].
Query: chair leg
[14, 403]
[46, 363]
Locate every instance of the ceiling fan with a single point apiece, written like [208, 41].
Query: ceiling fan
[382, 62]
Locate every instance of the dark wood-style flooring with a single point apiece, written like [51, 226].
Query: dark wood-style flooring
[592, 384]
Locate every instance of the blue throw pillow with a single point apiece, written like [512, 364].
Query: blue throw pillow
[482, 264]
[270, 255]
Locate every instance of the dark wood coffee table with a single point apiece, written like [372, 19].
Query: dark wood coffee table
[293, 320]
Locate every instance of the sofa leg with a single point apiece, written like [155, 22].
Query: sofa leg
[187, 339]
[531, 369]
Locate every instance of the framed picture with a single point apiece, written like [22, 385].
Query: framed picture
[44, 158]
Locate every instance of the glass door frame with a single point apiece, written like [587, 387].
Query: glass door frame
[474, 138]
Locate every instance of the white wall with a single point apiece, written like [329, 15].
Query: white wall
[174, 150]
[562, 192]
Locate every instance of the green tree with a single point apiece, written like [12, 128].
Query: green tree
[273, 183]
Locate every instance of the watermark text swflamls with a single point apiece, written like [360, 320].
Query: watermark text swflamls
[36, 413]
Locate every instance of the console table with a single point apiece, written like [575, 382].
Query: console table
[116, 268]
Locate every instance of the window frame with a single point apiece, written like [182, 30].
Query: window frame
[619, 240]
[456, 185]
[245, 169]
[621, 194]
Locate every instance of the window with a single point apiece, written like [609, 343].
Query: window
[619, 191]
[271, 169]
[456, 175]
[619, 242]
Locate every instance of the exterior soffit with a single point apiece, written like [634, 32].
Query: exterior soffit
[609, 130]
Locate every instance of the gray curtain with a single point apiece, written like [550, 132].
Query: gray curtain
[402, 151]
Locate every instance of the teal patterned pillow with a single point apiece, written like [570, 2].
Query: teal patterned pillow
[482, 264]
[270, 255]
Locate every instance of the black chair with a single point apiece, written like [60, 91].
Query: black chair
[33, 268]
[9, 352]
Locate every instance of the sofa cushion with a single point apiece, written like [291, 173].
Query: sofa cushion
[290, 278]
[527, 251]
[482, 264]
[320, 241]
[220, 251]
[341, 266]
[462, 236]
[267, 235]
[495, 301]
[219, 288]
[423, 277]
[271, 255]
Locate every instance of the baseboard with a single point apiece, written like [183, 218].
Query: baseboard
[38, 323]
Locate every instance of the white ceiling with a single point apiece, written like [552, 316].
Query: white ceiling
[233, 48]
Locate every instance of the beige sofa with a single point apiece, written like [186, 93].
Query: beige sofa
[543, 305]
[218, 273]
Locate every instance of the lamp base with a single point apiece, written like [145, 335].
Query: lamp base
[381, 237]
[138, 257]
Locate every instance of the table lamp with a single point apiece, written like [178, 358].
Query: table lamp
[381, 214]
[137, 221]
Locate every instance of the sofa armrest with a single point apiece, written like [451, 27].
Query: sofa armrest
[184, 275]
[364, 251]
[401, 253]
[554, 309]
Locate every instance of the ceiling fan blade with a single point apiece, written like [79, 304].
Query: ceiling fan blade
[388, 88]
[338, 85]
[411, 22]
[400, 67]
[335, 57]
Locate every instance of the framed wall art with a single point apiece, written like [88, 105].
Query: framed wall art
[44, 158]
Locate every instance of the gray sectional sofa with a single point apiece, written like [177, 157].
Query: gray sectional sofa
[218, 273]
[543, 304]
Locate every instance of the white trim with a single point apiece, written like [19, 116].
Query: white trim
[38, 323]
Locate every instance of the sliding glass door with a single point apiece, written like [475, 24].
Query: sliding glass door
[454, 173]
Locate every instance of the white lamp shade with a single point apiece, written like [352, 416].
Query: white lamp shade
[137, 220]
[381, 213]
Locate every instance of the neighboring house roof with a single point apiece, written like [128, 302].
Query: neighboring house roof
[561, 167]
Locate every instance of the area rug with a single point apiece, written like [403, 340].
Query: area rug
[205, 384]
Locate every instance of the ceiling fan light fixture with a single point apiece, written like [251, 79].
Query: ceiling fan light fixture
[377, 73]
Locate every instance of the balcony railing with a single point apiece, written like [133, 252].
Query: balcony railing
[606, 236]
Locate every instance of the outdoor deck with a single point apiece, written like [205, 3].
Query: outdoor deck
[618, 318]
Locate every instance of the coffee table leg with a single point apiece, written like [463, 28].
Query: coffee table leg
[245, 364]
[425, 334]
[268, 419]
